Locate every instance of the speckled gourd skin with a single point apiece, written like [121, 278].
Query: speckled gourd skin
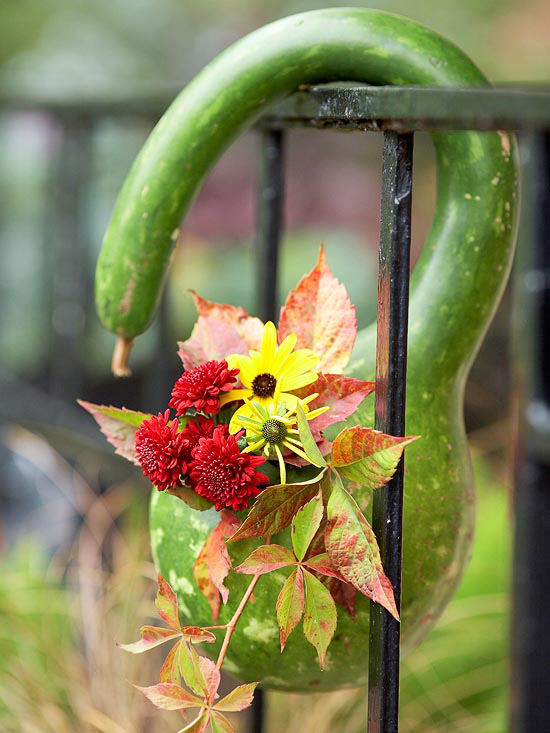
[455, 288]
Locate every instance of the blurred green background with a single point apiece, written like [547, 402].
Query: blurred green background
[81, 84]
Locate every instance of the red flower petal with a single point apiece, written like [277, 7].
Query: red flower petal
[161, 451]
[201, 387]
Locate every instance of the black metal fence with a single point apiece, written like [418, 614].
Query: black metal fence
[398, 113]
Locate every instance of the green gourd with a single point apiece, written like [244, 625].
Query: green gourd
[455, 289]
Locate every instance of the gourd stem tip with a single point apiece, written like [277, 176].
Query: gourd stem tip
[121, 356]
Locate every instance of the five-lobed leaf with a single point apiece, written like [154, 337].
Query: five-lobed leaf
[305, 524]
[265, 559]
[119, 426]
[319, 615]
[320, 313]
[353, 549]
[367, 456]
[290, 604]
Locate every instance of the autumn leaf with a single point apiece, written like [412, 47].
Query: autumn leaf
[170, 670]
[210, 339]
[199, 724]
[151, 636]
[265, 559]
[167, 604]
[275, 507]
[320, 313]
[322, 564]
[168, 696]
[367, 456]
[238, 699]
[319, 616]
[342, 593]
[353, 549]
[305, 524]
[119, 426]
[220, 724]
[290, 604]
[199, 673]
[249, 328]
[213, 562]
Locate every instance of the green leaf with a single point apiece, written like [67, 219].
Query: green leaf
[190, 669]
[265, 559]
[167, 604]
[238, 699]
[368, 456]
[170, 670]
[353, 549]
[290, 604]
[198, 725]
[275, 507]
[305, 524]
[151, 636]
[306, 438]
[119, 426]
[319, 616]
[220, 724]
[190, 497]
[168, 696]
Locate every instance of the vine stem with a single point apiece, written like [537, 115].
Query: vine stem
[230, 628]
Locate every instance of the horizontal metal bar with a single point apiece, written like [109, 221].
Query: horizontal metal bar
[353, 107]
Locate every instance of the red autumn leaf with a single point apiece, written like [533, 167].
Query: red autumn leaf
[210, 339]
[343, 594]
[323, 564]
[167, 604]
[169, 696]
[353, 549]
[220, 724]
[368, 456]
[275, 507]
[213, 563]
[290, 604]
[342, 394]
[151, 636]
[199, 724]
[238, 699]
[319, 616]
[320, 313]
[249, 328]
[265, 559]
[119, 426]
[170, 670]
[305, 524]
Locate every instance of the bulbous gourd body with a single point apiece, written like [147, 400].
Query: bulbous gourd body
[455, 288]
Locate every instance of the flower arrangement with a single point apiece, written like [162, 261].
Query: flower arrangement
[252, 409]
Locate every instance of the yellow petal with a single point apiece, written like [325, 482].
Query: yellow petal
[234, 394]
[269, 341]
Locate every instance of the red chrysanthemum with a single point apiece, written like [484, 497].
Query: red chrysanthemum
[222, 474]
[162, 452]
[196, 428]
[202, 386]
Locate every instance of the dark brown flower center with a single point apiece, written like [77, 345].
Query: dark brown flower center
[264, 385]
[274, 431]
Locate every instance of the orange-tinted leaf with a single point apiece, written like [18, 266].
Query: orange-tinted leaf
[249, 328]
[265, 559]
[151, 636]
[238, 699]
[199, 724]
[368, 456]
[290, 604]
[211, 676]
[210, 339]
[275, 507]
[167, 604]
[323, 564]
[169, 696]
[353, 549]
[170, 670]
[205, 584]
[220, 724]
[320, 313]
[319, 615]
[196, 635]
[343, 594]
[119, 426]
[305, 524]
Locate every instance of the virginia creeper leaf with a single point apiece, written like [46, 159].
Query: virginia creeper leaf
[220, 724]
[368, 456]
[275, 507]
[196, 635]
[210, 339]
[191, 670]
[319, 616]
[353, 548]
[211, 676]
[205, 584]
[306, 438]
[167, 604]
[238, 699]
[119, 426]
[305, 524]
[265, 559]
[290, 604]
[151, 636]
[249, 328]
[323, 564]
[169, 696]
[343, 594]
[320, 313]
[170, 670]
[199, 724]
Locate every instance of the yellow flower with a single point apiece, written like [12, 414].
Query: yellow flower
[272, 368]
[271, 427]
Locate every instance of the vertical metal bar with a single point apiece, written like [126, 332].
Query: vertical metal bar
[269, 224]
[391, 366]
[530, 700]
[268, 239]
